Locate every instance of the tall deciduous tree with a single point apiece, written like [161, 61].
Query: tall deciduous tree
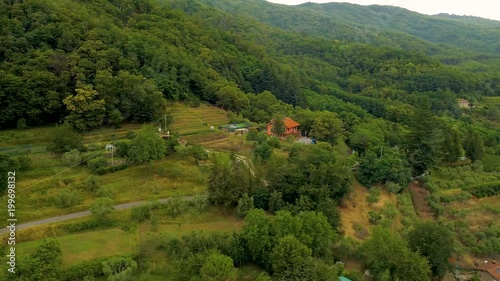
[289, 258]
[327, 127]
[387, 254]
[435, 242]
[86, 109]
[218, 267]
[44, 263]
[146, 146]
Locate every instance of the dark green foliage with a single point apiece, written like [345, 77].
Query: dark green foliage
[384, 165]
[97, 163]
[146, 146]
[474, 146]
[263, 150]
[229, 179]
[87, 225]
[387, 254]
[44, 263]
[424, 141]
[245, 204]
[110, 169]
[289, 258]
[261, 199]
[329, 209]
[65, 139]
[140, 213]
[434, 242]
[87, 268]
[122, 147]
[218, 267]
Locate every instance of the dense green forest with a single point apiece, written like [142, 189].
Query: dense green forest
[377, 86]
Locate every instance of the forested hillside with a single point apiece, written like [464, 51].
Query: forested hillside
[404, 110]
[377, 25]
[106, 61]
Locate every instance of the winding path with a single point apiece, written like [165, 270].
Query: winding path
[85, 214]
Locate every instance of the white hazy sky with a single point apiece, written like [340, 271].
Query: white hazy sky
[481, 8]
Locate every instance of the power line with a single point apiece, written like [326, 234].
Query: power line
[65, 170]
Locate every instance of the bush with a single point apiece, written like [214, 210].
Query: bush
[261, 199]
[106, 191]
[274, 142]
[122, 147]
[96, 163]
[67, 198]
[72, 157]
[245, 204]
[65, 139]
[89, 184]
[111, 169]
[140, 213]
[87, 225]
[485, 189]
[373, 196]
[393, 187]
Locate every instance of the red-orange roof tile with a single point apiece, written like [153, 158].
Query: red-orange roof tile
[289, 123]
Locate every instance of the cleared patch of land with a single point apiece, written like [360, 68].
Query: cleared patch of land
[354, 211]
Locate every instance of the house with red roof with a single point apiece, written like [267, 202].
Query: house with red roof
[291, 128]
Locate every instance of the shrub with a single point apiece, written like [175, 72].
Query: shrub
[140, 213]
[102, 207]
[261, 199]
[485, 189]
[111, 169]
[66, 198]
[373, 196]
[374, 217]
[87, 225]
[21, 124]
[122, 147]
[96, 163]
[72, 157]
[89, 184]
[106, 191]
[274, 142]
[65, 139]
[245, 204]
[393, 187]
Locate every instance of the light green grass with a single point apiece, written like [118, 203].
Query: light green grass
[109, 242]
[89, 245]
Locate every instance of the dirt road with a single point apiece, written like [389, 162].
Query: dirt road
[419, 198]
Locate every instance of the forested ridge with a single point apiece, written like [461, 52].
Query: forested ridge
[116, 60]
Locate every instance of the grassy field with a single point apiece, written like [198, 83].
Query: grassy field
[109, 242]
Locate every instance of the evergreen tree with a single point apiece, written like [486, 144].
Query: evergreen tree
[424, 140]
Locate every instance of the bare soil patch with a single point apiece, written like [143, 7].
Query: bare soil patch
[419, 197]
